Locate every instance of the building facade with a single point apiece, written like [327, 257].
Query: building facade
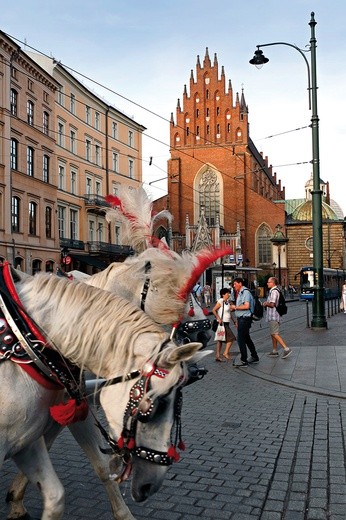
[300, 233]
[63, 149]
[28, 182]
[221, 190]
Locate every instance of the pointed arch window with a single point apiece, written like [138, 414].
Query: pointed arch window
[209, 196]
[264, 245]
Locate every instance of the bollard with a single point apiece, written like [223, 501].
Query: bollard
[328, 309]
[307, 314]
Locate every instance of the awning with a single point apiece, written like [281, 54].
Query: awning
[90, 260]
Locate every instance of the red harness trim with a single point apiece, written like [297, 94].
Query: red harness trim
[29, 368]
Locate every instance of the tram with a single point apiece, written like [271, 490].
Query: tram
[333, 280]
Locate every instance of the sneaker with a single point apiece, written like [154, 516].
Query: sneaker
[273, 354]
[241, 364]
[287, 353]
[253, 360]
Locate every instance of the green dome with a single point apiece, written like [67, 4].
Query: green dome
[304, 212]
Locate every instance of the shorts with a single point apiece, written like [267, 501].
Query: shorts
[229, 334]
[274, 327]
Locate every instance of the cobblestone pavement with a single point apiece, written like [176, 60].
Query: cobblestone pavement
[256, 449]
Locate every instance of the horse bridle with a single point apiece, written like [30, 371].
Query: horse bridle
[125, 446]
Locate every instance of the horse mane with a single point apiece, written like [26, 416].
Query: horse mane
[91, 327]
[168, 272]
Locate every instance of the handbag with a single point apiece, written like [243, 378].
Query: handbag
[220, 333]
[342, 304]
[215, 326]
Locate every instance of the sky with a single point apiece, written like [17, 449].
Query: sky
[141, 53]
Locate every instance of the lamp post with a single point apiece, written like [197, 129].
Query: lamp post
[318, 311]
[279, 240]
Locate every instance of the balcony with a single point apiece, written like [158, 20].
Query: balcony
[69, 243]
[105, 247]
[95, 203]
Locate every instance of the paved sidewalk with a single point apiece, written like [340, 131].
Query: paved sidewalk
[317, 363]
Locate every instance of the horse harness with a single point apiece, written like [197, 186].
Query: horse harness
[23, 342]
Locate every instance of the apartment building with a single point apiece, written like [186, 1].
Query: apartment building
[98, 149]
[63, 149]
[28, 184]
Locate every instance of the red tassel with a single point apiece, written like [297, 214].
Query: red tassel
[121, 442]
[191, 312]
[131, 444]
[173, 454]
[70, 412]
[205, 311]
[181, 445]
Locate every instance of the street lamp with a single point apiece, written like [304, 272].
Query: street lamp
[279, 240]
[318, 312]
[274, 267]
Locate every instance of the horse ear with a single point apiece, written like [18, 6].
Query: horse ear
[180, 353]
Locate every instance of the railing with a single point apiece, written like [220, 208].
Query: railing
[105, 247]
[69, 243]
[332, 306]
[95, 200]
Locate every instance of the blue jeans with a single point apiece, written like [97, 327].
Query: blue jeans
[244, 339]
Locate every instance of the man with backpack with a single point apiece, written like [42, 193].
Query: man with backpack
[275, 308]
[244, 308]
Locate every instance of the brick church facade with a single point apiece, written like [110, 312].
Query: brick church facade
[221, 191]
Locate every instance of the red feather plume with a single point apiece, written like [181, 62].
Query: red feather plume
[204, 260]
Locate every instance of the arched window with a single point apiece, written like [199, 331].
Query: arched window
[32, 218]
[264, 245]
[209, 196]
[18, 263]
[36, 266]
[49, 266]
[15, 214]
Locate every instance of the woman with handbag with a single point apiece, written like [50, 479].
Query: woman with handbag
[223, 315]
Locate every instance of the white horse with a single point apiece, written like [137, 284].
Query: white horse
[110, 337]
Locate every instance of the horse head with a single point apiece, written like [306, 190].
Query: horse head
[149, 431]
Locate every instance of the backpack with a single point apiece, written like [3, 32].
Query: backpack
[255, 307]
[281, 306]
[257, 313]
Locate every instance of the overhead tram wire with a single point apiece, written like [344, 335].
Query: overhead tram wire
[229, 147]
[226, 147]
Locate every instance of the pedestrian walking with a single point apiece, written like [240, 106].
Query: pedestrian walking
[206, 291]
[197, 290]
[344, 296]
[243, 308]
[274, 319]
[222, 313]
